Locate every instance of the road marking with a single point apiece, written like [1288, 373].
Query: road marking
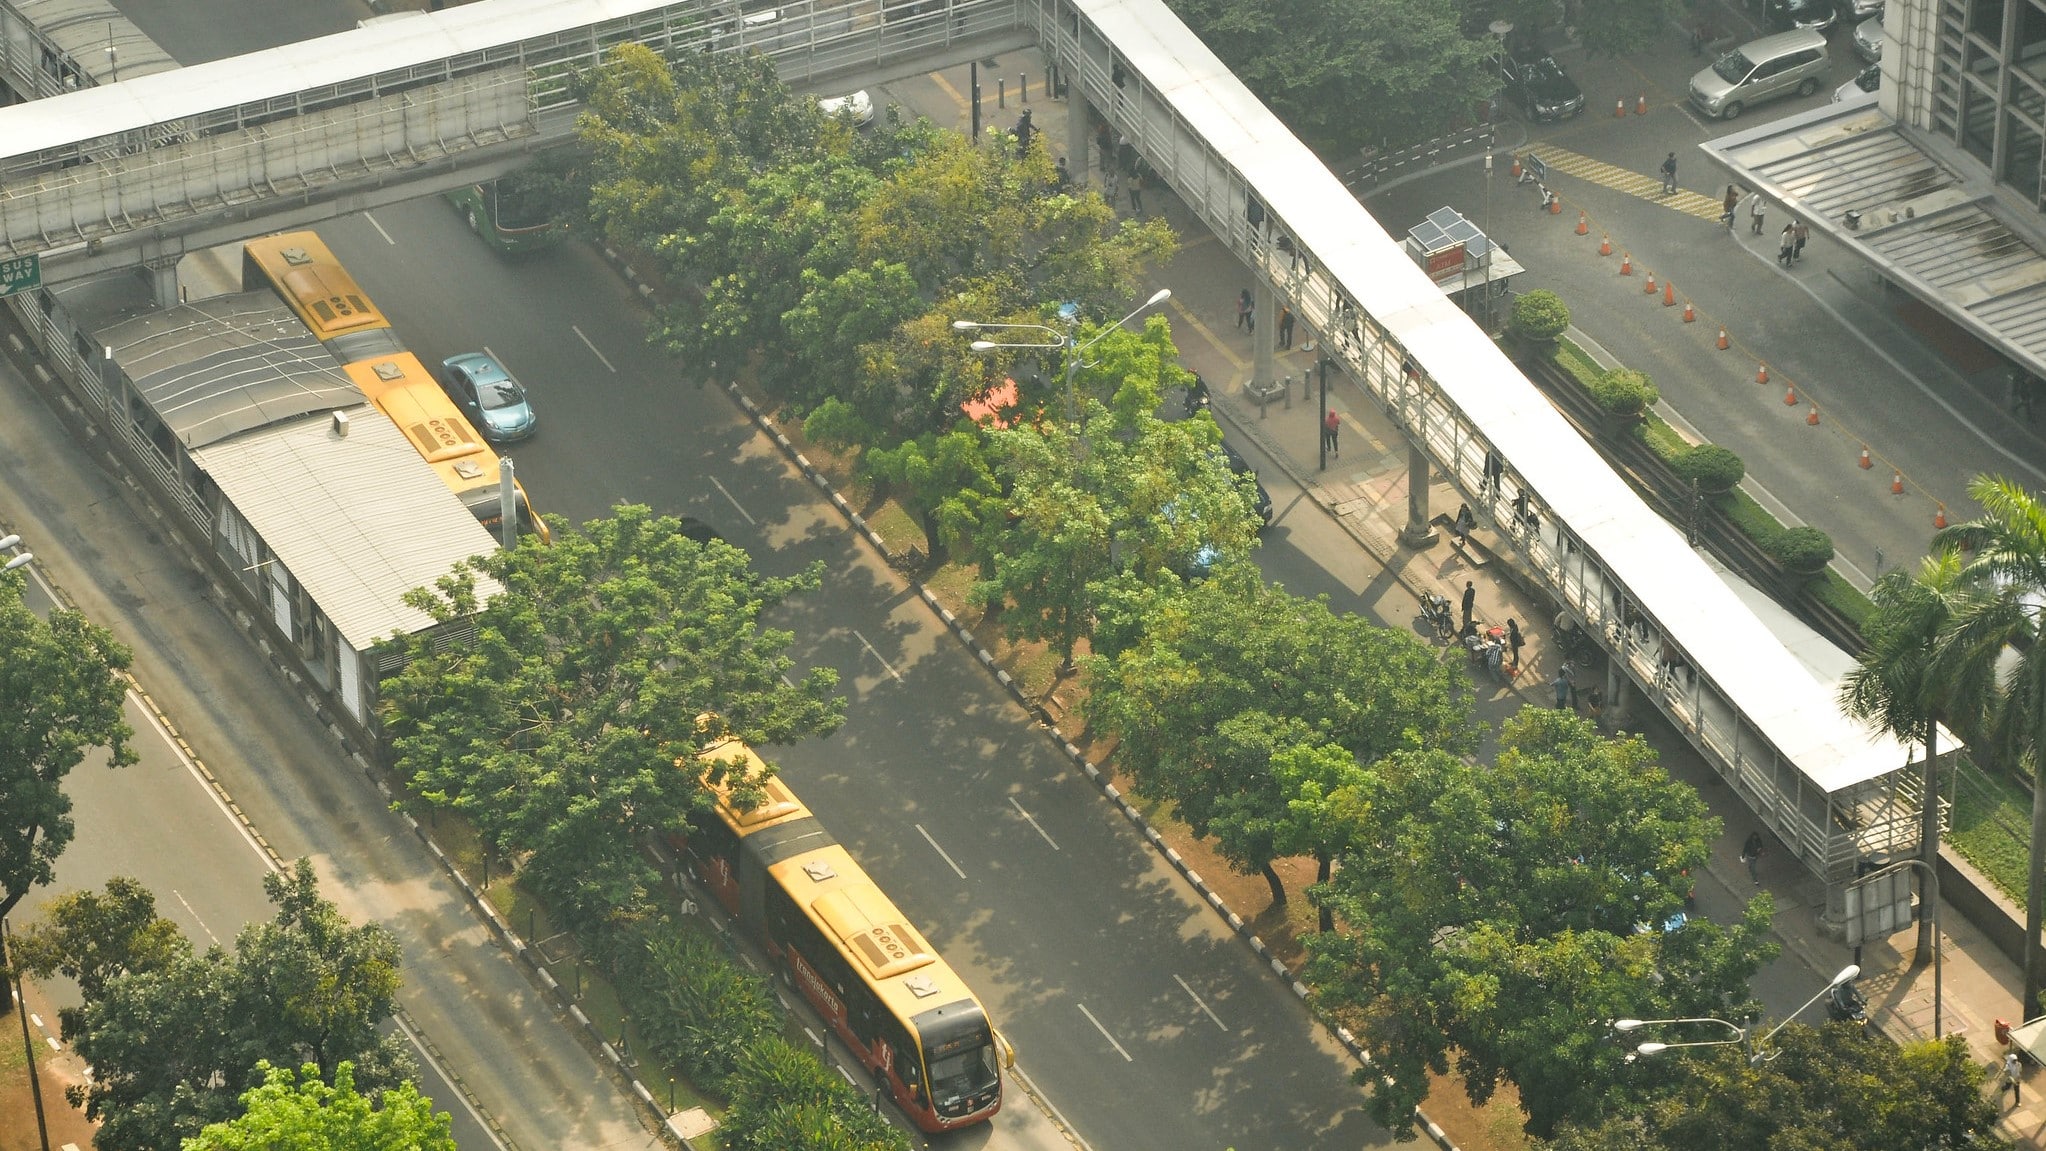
[1627, 181]
[593, 349]
[1199, 1002]
[1190, 320]
[196, 916]
[419, 1045]
[951, 93]
[877, 655]
[380, 229]
[941, 851]
[1033, 823]
[1104, 1033]
[735, 503]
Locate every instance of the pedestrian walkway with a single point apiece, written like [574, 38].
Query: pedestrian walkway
[1645, 186]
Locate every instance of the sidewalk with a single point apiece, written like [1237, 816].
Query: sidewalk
[1363, 489]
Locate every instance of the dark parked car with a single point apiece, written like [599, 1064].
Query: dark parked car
[1539, 87]
[1817, 15]
[1241, 466]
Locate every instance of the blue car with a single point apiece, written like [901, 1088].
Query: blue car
[489, 396]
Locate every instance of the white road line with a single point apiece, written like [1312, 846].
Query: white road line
[592, 347]
[1199, 1002]
[1104, 1033]
[380, 229]
[941, 851]
[1033, 823]
[735, 503]
[196, 916]
[448, 1073]
[877, 655]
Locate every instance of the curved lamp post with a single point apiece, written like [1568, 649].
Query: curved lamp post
[20, 559]
[1066, 339]
[1757, 1049]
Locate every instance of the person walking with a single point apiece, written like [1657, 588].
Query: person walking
[1065, 175]
[1802, 233]
[1025, 130]
[1331, 428]
[1730, 205]
[1787, 244]
[1110, 182]
[1669, 174]
[1751, 854]
[1562, 686]
[1243, 306]
[1137, 192]
[1757, 208]
[1514, 641]
[2013, 1071]
[1285, 325]
[1463, 524]
[1470, 601]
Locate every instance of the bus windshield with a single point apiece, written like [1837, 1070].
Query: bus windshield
[963, 1073]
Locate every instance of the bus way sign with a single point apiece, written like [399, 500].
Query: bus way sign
[21, 273]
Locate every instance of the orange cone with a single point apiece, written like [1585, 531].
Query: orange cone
[1583, 223]
[1690, 315]
[1813, 417]
[1669, 293]
[1619, 109]
[1555, 205]
[1790, 395]
[1762, 374]
[1939, 518]
[1626, 263]
[1649, 290]
[1866, 463]
[1723, 342]
[1516, 166]
[1641, 104]
[1896, 483]
[1605, 244]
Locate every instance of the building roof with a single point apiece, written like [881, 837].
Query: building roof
[354, 515]
[1937, 228]
[220, 366]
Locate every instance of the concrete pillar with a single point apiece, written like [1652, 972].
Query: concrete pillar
[1419, 533]
[162, 278]
[1265, 341]
[1619, 695]
[1080, 149]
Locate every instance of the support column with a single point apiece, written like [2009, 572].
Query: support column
[1619, 695]
[1080, 149]
[162, 277]
[1419, 533]
[1265, 341]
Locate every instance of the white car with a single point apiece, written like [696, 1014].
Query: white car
[1866, 80]
[859, 106]
[1868, 39]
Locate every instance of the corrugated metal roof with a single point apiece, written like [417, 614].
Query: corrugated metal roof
[358, 519]
[224, 365]
[1942, 233]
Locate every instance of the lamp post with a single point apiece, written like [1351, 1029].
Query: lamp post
[1065, 339]
[1757, 1049]
[20, 558]
[1500, 29]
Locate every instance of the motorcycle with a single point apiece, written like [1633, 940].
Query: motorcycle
[1196, 399]
[1846, 1004]
[1436, 611]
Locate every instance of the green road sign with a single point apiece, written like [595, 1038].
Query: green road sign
[20, 274]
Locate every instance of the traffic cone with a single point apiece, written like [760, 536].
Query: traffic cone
[1555, 205]
[1790, 395]
[1866, 463]
[1649, 290]
[1723, 342]
[1516, 166]
[1583, 223]
[1641, 104]
[1626, 263]
[1762, 374]
[1669, 293]
[1813, 417]
[1619, 109]
[1896, 483]
[1605, 244]
[1939, 518]
[1690, 314]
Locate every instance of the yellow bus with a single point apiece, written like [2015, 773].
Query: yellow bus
[304, 274]
[400, 387]
[902, 1011]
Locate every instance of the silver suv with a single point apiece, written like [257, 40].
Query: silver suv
[1761, 70]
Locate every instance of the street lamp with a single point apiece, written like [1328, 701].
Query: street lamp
[20, 559]
[1757, 1049]
[1066, 339]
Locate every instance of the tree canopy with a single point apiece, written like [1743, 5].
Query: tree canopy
[302, 1112]
[61, 695]
[559, 727]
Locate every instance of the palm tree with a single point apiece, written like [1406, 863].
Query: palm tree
[1999, 621]
[1898, 687]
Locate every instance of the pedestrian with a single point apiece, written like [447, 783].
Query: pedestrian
[1732, 202]
[1494, 469]
[1065, 175]
[2012, 1070]
[1562, 685]
[1802, 234]
[1110, 182]
[1787, 243]
[1331, 428]
[1024, 131]
[1594, 702]
[1462, 525]
[1514, 641]
[1669, 174]
[1757, 207]
[1751, 854]
[1137, 192]
[1470, 601]
[1285, 325]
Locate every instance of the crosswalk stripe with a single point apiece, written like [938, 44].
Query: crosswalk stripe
[1625, 180]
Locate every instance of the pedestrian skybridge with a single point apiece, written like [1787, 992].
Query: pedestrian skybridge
[161, 163]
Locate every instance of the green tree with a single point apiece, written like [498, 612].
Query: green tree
[1897, 685]
[1493, 912]
[93, 938]
[303, 1113]
[2005, 580]
[559, 727]
[1240, 703]
[61, 695]
[173, 1046]
[1615, 28]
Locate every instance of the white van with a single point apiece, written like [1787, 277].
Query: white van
[1761, 70]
